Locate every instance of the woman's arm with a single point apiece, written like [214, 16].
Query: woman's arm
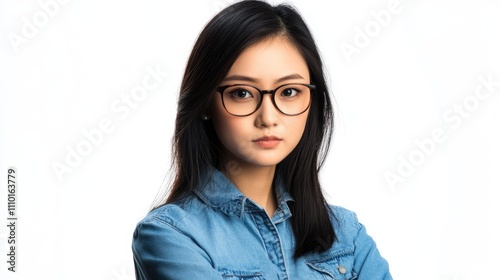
[162, 252]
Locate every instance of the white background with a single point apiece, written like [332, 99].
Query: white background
[404, 81]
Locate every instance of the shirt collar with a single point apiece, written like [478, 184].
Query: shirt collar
[219, 193]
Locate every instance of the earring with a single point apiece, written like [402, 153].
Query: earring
[205, 117]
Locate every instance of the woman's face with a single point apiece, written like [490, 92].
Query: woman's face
[265, 65]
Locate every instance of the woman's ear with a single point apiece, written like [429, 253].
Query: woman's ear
[208, 114]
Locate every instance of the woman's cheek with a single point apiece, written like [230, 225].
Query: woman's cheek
[295, 126]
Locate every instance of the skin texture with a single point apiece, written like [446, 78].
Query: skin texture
[266, 65]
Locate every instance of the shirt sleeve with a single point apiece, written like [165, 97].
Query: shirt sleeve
[162, 252]
[368, 262]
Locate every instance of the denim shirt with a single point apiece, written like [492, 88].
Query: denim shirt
[220, 233]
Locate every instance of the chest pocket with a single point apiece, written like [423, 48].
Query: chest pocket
[242, 275]
[336, 265]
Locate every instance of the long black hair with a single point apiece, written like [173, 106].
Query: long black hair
[196, 147]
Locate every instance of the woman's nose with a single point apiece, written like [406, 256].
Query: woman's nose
[267, 115]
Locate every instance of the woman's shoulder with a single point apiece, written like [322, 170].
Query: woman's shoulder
[345, 223]
[173, 214]
[342, 212]
[343, 215]
[354, 252]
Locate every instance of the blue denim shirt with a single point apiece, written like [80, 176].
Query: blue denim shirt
[221, 234]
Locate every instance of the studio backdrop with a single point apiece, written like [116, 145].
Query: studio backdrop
[88, 95]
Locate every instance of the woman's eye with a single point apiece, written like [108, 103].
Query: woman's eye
[289, 92]
[241, 93]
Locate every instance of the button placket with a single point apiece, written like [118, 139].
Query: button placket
[272, 242]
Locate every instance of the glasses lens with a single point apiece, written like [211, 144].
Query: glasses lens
[293, 99]
[241, 99]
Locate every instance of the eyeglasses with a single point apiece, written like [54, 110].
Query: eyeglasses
[243, 100]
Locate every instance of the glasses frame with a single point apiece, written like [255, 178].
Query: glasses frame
[262, 92]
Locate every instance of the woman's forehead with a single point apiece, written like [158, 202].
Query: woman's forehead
[270, 60]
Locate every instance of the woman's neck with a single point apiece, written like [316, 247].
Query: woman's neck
[255, 183]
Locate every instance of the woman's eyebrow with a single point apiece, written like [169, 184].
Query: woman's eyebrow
[254, 80]
[294, 76]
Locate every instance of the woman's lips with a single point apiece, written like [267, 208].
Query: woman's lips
[267, 142]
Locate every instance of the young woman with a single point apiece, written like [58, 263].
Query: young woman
[253, 127]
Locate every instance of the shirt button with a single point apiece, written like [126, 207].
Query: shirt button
[342, 269]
